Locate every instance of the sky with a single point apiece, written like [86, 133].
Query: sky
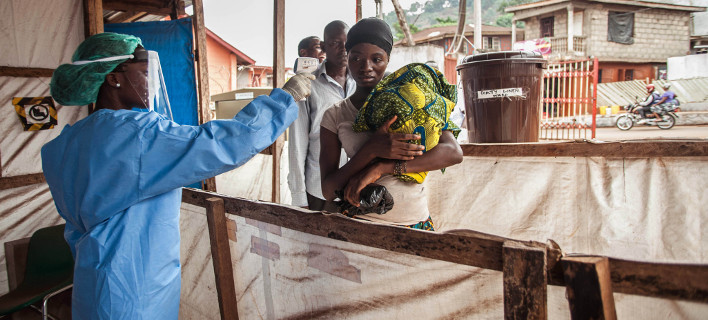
[248, 24]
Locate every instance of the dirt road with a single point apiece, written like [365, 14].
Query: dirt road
[645, 132]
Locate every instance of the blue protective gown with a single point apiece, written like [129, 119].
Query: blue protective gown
[116, 179]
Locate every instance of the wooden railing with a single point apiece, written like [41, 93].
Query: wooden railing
[528, 267]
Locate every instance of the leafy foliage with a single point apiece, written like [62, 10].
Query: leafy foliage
[434, 13]
[398, 32]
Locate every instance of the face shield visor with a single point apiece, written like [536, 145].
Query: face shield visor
[157, 100]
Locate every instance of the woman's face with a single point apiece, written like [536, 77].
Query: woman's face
[367, 63]
[134, 83]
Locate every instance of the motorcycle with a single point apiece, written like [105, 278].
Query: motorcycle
[666, 111]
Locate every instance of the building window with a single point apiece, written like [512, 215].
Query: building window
[620, 27]
[491, 43]
[547, 27]
[629, 75]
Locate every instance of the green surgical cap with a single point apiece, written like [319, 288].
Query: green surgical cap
[77, 83]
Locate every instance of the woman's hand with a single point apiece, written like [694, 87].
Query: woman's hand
[393, 145]
[360, 180]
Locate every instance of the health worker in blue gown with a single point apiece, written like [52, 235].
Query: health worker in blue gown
[116, 176]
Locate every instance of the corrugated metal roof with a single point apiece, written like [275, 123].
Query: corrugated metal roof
[435, 33]
[626, 92]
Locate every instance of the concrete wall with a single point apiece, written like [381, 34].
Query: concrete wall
[532, 28]
[220, 60]
[700, 19]
[401, 56]
[687, 67]
[658, 35]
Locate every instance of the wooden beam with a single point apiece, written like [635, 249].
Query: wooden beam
[21, 181]
[202, 74]
[221, 257]
[25, 72]
[277, 149]
[626, 149]
[525, 282]
[458, 246]
[358, 10]
[278, 43]
[663, 280]
[278, 81]
[93, 17]
[177, 7]
[589, 288]
[128, 16]
[156, 7]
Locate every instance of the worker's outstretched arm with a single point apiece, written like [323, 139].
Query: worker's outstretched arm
[173, 156]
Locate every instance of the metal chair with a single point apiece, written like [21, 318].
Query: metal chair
[49, 271]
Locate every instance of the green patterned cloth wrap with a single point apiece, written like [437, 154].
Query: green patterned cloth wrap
[421, 98]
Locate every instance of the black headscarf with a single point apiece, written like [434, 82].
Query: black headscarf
[370, 30]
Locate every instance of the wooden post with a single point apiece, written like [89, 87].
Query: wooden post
[221, 258]
[524, 281]
[589, 288]
[93, 17]
[358, 9]
[278, 81]
[202, 74]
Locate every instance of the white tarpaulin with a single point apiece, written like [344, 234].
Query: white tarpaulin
[40, 33]
[651, 209]
[648, 209]
[34, 34]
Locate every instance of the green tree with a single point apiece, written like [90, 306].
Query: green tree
[504, 20]
[449, 21]
[398, 32]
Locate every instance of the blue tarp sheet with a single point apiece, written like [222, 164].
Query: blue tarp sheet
[173, 42]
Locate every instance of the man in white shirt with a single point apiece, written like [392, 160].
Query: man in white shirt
[332, 84]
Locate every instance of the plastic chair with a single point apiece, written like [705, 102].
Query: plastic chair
[49, 271]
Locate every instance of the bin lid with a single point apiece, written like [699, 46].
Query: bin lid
[503, 56]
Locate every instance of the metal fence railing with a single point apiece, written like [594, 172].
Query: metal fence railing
[569, 103]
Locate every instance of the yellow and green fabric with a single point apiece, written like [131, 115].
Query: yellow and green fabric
[421, 98]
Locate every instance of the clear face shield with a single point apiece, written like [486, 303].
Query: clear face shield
[158, 100]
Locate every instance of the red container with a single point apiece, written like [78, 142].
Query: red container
[502, 92]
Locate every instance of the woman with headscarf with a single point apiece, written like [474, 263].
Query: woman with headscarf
[116, 176]
[377, 156]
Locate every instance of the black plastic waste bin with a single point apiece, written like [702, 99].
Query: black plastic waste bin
[502, 92]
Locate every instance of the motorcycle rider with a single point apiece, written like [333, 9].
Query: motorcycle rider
[647, 103]
[666, 101]
[668, 97]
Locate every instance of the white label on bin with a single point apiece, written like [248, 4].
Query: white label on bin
[243, 95]
[499, 93]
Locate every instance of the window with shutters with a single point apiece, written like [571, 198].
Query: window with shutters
[547, 27]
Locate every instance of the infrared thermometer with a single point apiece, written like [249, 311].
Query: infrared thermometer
[306, 65]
